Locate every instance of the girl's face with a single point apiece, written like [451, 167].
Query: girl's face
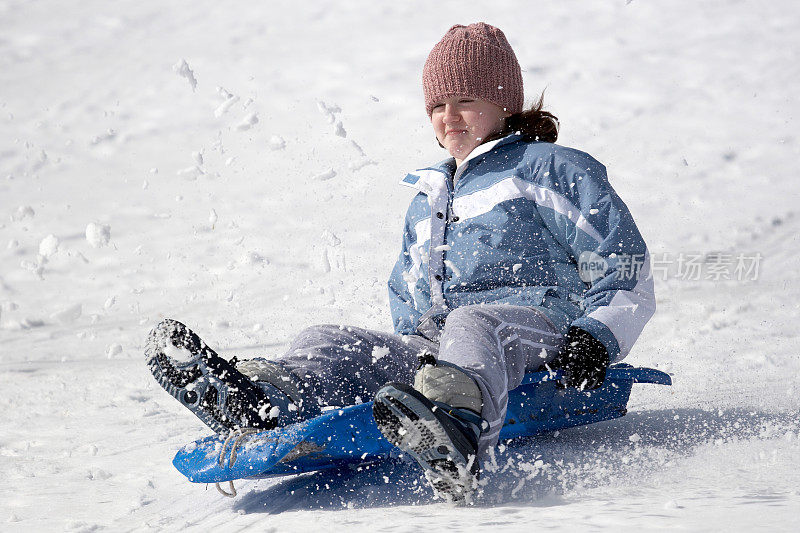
[462, 123]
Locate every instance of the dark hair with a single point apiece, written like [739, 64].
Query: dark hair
[534, 124]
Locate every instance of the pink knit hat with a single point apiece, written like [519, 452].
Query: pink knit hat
[474, 61]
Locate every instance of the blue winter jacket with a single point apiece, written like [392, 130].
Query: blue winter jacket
[530, 224]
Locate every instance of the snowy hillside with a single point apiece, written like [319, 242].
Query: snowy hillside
[235, 167]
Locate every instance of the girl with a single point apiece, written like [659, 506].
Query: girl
[517, 255]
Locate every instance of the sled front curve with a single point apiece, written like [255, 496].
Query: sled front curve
[348, 436]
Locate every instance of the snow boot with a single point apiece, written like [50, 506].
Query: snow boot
[284, 389]
[208, 385]
[441, 437]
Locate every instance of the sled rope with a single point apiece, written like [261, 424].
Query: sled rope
[238, 437]
[231, 494]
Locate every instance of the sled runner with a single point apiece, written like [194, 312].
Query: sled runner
[349, 436]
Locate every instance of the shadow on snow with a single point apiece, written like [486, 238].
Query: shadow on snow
[531, 470]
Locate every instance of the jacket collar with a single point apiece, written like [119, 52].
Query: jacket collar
[433, 178]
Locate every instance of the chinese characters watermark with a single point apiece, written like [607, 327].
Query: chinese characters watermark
[692, 266]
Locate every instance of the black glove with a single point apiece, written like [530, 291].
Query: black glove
[583, 361]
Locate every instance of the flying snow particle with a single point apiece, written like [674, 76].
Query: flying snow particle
[178, 353]
[253, 258]
[330, 238]
[68, 315]
[181, 68]
[109, 135]
[37, 267]
[379, 352]
[339, 130]
[635, 438]
[274, 411]
[357, 148]
[360, 163]
[113, 350]
[98, 235]
[332, 108]
[22, 212]
[452, 266]
[276, 142]
[190, 173]
[223, 108]
[328, 111]
[247, 122]
[324, 176]
[49, 246]
[30, 322]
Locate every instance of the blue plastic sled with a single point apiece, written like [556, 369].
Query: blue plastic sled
[348, 436]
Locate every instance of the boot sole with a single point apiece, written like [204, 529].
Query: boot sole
[205, 383]
[409, 421]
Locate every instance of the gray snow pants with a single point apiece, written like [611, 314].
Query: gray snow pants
[494, 344]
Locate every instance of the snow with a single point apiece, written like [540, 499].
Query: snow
[69, 314]
[98, 235]
[247, 122]
[22, 212]
[178, 353]
[230, 100]
[324, 175]
[276, 142]
[114, 350]
[690, 105]
[182, 69]
[49, 246]
[190, 173]
[379, 352]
